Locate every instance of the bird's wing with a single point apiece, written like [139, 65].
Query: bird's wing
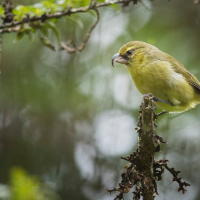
[190, 78]
[193, 83]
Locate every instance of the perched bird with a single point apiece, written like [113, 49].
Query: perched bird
[156, 72]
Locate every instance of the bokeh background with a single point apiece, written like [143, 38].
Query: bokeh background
[65, 120]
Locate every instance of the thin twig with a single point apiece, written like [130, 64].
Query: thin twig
[159, 164]
[182, 184]
[11, 30]
[74, 48]
[82, 46]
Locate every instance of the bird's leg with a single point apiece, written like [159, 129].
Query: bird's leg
[167, 102]
[155, 108]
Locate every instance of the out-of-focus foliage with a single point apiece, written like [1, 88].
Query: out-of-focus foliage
[1, 11]
[24, 186]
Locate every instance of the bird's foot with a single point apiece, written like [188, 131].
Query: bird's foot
[148, 95]
[152, 96]
[160, 100]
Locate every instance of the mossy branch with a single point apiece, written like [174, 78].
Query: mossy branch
[143, 171]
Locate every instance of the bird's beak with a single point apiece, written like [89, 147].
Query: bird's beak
[118, 58]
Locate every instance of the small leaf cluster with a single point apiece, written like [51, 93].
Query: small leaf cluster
[46, 7]
[42, 30]
[41, 8]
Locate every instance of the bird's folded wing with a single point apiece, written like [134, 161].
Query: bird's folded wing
[191, 82]
[190, 78]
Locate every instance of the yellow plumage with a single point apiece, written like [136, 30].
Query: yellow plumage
[156, 72]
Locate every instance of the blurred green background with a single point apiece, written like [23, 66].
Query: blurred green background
[65, 119]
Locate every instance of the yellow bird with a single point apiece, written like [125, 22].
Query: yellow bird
[156, 72]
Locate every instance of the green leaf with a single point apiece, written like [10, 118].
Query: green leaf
[77, 21]
[20, 35]
[55, 30]
[50, 7]
[92, 13]
[79, 3]
[37, 12]
[47, 43]
[26, 27]
[115, 6]
[31, 37]
[54, 20]
[63, 4]
[20, 12]
[44, 30]
[45, 6]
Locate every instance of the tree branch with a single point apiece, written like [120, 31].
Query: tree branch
[139, 171]
[143, 171]
[67, 12]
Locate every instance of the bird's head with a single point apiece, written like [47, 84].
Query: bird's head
[128, 53]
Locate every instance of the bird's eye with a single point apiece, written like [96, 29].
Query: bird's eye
[129, 52]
